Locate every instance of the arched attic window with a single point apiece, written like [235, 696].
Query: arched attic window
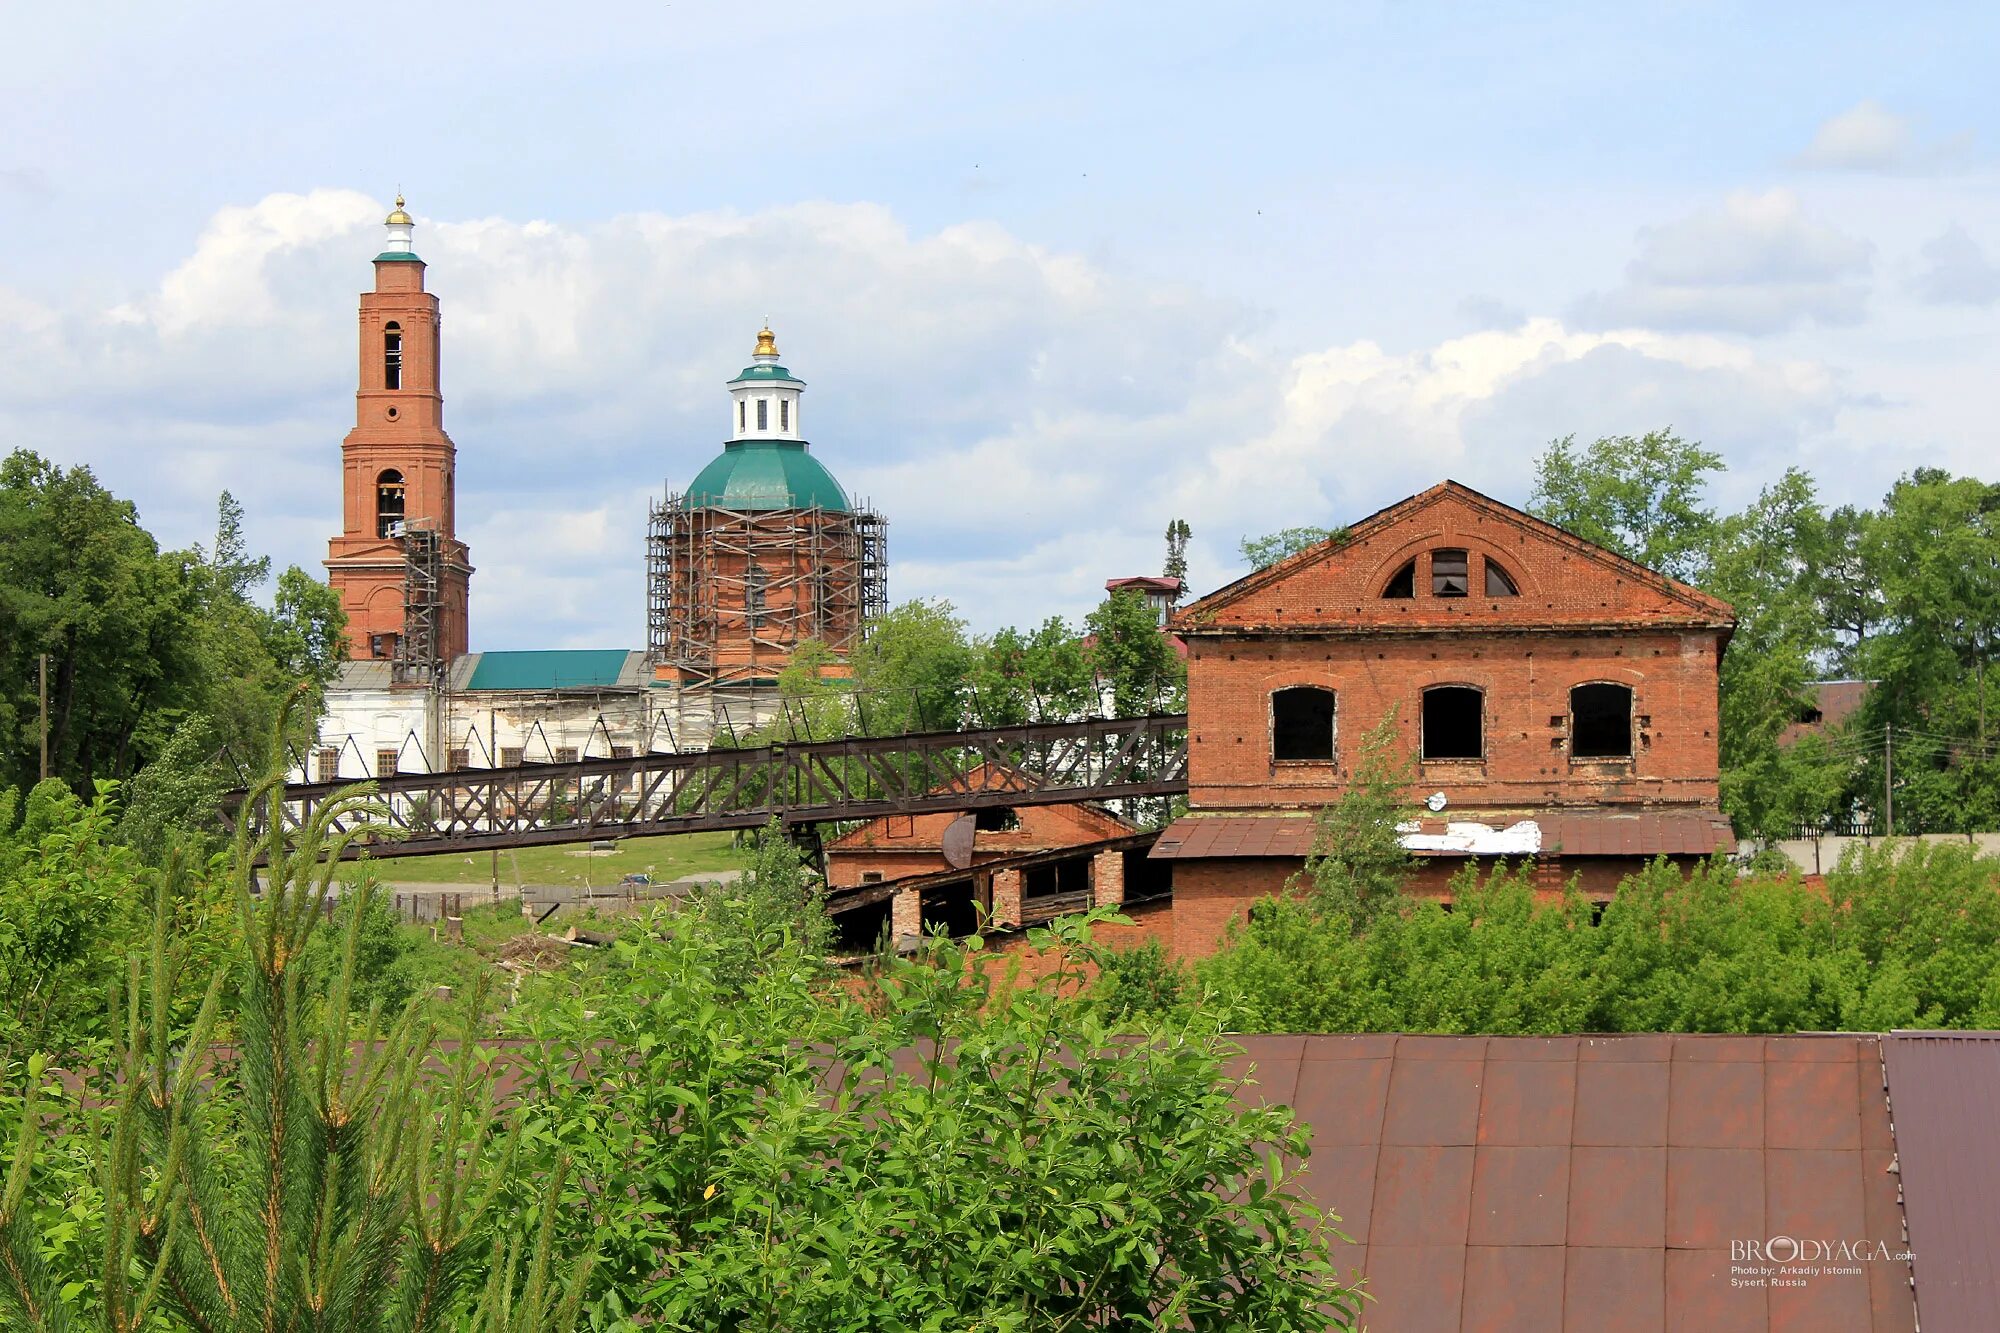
[1600, 722]
[1454, 723]
[389, 504]
[1304, 724]
[392, 355]
[1402, 583]
[1499, 583]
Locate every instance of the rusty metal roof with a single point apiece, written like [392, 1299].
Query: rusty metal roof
[1596, 1183]
[1946, 1090]
[1598, 832]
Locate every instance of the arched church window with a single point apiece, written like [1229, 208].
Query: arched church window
[763, 414]
[389, 504]
[754, 582]
[1498, 582]
[392, 356]
[1402, 583]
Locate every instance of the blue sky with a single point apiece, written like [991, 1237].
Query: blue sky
[1055, 274]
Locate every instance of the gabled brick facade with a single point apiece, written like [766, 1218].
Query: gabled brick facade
[1290, 667]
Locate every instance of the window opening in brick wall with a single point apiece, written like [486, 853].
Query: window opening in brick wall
[565, 754]
[511, 756]
[392, 356]
[389, 504]
[1402, 583]
[996, 819]
[1448, 574]
[1454, 723]
[1600, 722]
[1303, 722]
[385, 763]
[754, 582]
[1499, 583]
[328, 766]
[458, 758]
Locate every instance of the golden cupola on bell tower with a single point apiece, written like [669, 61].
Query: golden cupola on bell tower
[400, 570]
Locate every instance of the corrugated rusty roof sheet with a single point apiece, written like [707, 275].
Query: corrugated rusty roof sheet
[1529, 1183]
[1946, 1090]
[1601, 832]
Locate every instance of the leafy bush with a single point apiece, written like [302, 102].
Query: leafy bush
[960, 1155]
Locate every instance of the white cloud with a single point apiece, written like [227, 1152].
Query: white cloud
[1956, 271]
[1027, 419]
[1870, 137]
[1756, 265]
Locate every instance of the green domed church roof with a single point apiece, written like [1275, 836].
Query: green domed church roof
[764, 474]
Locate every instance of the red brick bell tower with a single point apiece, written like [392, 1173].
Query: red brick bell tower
[398, 565]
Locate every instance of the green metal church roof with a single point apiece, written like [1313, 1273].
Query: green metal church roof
[762, 372]
[765, 474]
[547, 669]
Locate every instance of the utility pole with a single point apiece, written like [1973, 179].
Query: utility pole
[1889, 781]
[42, 682]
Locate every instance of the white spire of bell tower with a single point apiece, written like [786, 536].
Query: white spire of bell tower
[764, 397]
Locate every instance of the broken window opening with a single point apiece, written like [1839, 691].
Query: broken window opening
[1454, 723]
[389, 504]
[383, 645]
[392, 356]
[1498, 583]
[1402, 583]
[1303, 723]
[1600, 722]
[871, 877]
[754, 582]
[1448, 574]
[995, 819]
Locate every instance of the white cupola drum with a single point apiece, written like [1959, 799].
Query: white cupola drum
[765, 396]
[401, 231]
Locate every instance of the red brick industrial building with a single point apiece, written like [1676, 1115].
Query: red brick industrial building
[1557, 701]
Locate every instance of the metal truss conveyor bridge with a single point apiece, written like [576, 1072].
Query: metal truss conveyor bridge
[811, 782]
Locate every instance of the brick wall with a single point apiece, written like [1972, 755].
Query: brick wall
[1526, 682]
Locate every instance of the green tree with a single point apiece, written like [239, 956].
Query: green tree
[910, 669]
[81, 581]
[1176, 566]
[1358, 863]
[1134, 659]
[1639, 496]
[956, 1154]
[1933, 551]
[1768, 562]
[322, 1185]
[1040, 676]
[1261, 552]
